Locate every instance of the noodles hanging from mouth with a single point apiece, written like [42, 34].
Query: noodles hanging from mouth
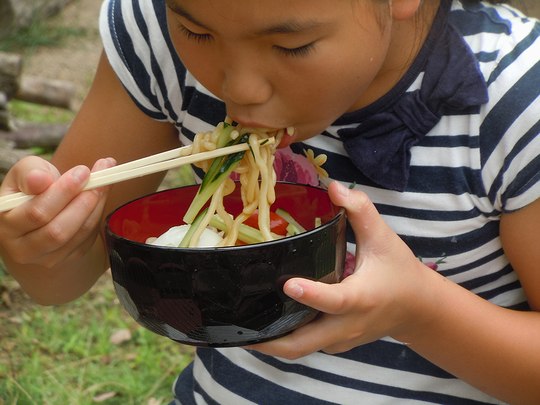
[257, 179]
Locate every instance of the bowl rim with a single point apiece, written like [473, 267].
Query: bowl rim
[110, 234]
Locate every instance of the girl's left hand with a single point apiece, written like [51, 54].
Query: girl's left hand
[388, 294]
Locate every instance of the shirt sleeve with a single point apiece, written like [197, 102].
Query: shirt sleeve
[138, 47]
[509, 133]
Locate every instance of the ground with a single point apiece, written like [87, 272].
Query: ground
[75, 61]
[77, 58]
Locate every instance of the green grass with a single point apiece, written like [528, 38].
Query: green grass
[40, 33]
[30, 112]
[64, 355]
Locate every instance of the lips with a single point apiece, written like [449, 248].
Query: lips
[251, 124]
[286, 140]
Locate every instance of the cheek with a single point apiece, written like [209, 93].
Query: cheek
[199, 63]
[202, 66]
[335, 86]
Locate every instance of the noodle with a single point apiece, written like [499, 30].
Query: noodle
[257, 180]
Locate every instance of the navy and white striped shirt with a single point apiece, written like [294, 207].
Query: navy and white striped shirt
[472, 166]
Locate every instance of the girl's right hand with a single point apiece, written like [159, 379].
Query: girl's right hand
[60, 222]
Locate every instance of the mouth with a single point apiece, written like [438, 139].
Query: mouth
[253, 124]
[287, 138]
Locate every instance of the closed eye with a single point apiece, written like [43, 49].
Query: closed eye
[193, 36]
[300, 51]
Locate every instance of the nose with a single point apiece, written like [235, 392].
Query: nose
[245, 84]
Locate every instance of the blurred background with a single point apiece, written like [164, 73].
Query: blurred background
[89, 351]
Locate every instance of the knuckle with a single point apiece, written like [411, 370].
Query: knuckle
[57, 234]
[86, 202]
[37, 215]
[341, 303]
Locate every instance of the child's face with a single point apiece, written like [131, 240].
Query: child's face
[283, 63]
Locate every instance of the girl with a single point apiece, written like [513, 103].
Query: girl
[430, 108]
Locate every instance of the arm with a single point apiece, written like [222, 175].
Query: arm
[495, 349]
[53, 245]
[393, 294]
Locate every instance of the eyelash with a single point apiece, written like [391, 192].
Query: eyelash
[301, 51]
[200, 38]
[297, 52]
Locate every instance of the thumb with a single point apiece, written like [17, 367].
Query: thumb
[371, 232]
[31, 175]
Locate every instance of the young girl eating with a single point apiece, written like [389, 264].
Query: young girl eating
[428, 112]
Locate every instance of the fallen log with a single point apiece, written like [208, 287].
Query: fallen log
[28, 135]
[5, 119]
[10, 73]
[54, 93]
[9, 156]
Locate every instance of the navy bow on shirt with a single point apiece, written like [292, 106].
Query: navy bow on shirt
[452, 84]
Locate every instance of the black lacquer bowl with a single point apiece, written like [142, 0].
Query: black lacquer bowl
[229, 296]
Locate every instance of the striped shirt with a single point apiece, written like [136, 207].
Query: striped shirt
[470, 167]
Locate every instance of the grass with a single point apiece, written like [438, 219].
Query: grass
[67, 354]
[30, 112]
[40, 33]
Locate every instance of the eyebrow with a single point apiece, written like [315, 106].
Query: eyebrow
[286, 27]
[178, 9]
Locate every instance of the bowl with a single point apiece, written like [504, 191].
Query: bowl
[227, 296]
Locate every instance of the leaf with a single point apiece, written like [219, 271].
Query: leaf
[104, 397]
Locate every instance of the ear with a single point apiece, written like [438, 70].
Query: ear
[404, 9]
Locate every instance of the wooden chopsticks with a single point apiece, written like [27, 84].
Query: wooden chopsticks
[138, 168]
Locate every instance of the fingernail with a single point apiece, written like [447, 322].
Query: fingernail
[104, 163]
[344, 191]
[294, 290]
[110, 161]
[79, 173]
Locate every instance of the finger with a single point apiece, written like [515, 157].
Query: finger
[368, 226]
[328, 298]
[31, 175]
[75, 223]
[308, 339]
[326, 333]
[40, 210]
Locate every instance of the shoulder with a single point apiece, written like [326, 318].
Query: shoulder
[137, 44]
[506, 44]
[499, 36]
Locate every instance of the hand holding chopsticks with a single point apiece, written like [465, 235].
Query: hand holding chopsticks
[138, 168]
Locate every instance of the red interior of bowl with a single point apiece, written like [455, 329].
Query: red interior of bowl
[154, 214]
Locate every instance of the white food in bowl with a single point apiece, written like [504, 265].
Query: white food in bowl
[174, 236]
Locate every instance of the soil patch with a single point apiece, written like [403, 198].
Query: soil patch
[76, 59]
